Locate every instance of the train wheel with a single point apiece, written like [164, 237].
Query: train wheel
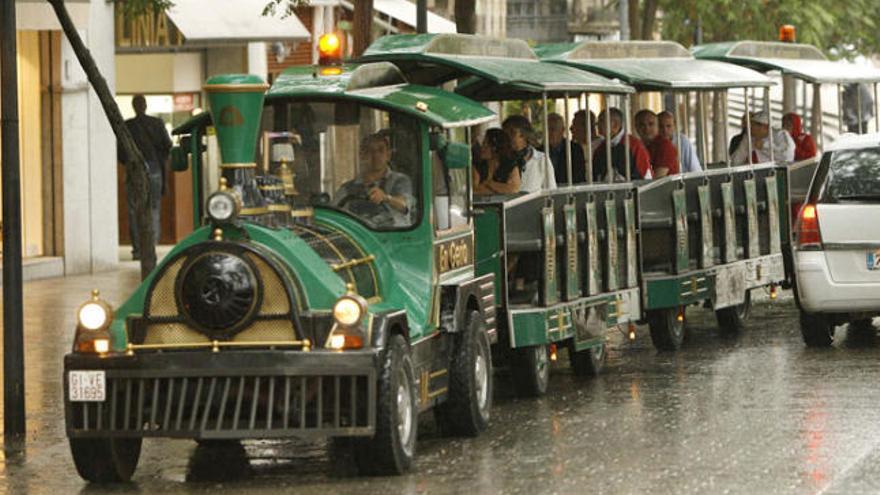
[531, 371]
[667, 328]
[466, 410]
[588, 362]
[105, 460]
[732, 320]
[392, 448]
[817, 330]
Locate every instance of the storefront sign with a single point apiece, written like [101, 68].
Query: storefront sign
[152, 30]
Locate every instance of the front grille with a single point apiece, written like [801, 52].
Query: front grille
[228, 407]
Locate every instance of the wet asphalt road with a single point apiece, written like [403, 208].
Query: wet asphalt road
[758, 413]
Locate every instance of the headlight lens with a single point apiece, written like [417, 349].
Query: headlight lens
[348, 311]
[93, 316]
[221, 206]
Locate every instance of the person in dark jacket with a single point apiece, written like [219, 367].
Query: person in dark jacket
[152, 139]
[556, 135]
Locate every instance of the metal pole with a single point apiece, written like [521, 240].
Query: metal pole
[546, 145]
[588, 128]
[876, 113]
[421, 16]
[859, 104]
[748, 126]
[624, 19]
[567, 141]
[609, 178]
[13, 321]
[624, 103]
[839, 110]
[677, 122]
[769, 121]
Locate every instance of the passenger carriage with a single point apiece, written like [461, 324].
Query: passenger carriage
[707, 237]
[298, 310]
[581, 241]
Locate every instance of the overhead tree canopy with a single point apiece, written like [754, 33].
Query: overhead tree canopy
[841, 29]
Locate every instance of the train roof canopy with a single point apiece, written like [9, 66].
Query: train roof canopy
[651, 65]
[381, 85]
[799, 60]
[494, 69]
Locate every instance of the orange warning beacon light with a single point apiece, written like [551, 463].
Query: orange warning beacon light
[329, 49]
[787, 33]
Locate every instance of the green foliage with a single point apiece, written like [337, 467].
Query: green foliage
[136, 8]
[842, 29]
[284, 8]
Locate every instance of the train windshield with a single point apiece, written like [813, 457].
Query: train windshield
[348, 157]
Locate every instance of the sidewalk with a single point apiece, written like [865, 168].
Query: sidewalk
[49, 315]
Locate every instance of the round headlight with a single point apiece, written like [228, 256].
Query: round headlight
[221, 206]
[93, 316]
[348, 311]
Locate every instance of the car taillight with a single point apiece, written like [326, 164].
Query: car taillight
[807, 228]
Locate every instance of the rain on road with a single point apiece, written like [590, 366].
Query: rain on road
[758, 413]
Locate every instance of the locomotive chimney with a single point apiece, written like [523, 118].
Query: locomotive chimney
[236, 103]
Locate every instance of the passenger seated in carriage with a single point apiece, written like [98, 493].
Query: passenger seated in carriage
[640, 162]
[687, 154]
[579, 130]
[556, 149]
[498, 170]
[379, 195]
[762, 138]
[537, 173]
[805, 146]
[664, 157]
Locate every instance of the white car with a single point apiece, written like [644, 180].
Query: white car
[837, 240]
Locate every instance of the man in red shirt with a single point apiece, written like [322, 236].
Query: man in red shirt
[664, 156]
[640, 162]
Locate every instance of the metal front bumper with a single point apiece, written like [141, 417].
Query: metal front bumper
[227, 395]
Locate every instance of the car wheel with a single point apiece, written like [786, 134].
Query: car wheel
[531, 370]
[466, 410]
[732, 320]
[391, 450]
[588, 362]
[105, 460]
[816, 329]
[667, 328]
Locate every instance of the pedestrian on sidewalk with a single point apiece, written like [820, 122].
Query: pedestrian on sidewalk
[152, 139]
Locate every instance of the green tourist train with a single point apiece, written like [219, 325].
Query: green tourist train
[345, 277]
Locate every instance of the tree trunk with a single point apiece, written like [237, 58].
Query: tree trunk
[363, 26]
[466, 16]
[633, 12]
[649, 18]
[136, 171]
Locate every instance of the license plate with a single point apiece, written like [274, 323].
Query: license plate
[87, 386]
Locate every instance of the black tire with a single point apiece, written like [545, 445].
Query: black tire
[531, 370]
[105, 460]
[817, 330]
[392, 448]
[466, 410]
[588, 362]
[667, 332]
[732, 320]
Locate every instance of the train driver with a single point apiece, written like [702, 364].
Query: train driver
[379, 195]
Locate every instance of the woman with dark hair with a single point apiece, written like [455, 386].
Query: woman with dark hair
[499, 170]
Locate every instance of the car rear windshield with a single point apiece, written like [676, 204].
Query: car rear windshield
[853, 175]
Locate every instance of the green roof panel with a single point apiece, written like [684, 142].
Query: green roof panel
[652, 66]
[495, 69]
[383, 86]
[802, 61]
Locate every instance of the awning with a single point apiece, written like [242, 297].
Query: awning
[400, 10]
[37, 15]
[217, 22]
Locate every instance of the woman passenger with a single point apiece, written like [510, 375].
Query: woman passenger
[805, 146]
[498, 171]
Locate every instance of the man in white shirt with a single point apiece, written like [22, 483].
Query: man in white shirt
[536, 170]
[687, 154]
[762, 134]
